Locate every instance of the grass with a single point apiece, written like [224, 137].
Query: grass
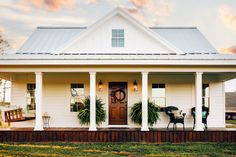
[231, 121]
[63, 149]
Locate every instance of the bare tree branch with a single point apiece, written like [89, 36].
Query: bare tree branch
[4, 45]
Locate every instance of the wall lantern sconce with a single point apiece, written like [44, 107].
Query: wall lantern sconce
[100, 83]
[135, 85]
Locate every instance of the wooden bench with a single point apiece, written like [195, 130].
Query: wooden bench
[14, 115]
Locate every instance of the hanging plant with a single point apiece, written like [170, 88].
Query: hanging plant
[84, 112]
[136, 113]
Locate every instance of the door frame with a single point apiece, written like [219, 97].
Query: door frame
[109, 122]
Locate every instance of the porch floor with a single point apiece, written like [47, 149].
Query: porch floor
[111, 129]
[29, 126]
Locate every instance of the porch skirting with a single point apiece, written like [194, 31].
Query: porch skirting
[118, 136]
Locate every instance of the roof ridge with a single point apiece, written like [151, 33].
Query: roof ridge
[53, 27]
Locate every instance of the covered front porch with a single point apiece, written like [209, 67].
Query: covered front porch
[183, 88]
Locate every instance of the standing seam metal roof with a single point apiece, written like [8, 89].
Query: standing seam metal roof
[48, 39]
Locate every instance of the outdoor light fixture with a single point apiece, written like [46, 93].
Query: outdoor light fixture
[100, 85]
[135, 85]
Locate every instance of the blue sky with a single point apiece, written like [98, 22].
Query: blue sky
[215, 18]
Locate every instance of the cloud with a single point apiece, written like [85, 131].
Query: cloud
[231, 50]
[52, 5]
[140, 3]
[150, 12]
[90, 1]
[2, 29]
[17, 6]
[228, 17]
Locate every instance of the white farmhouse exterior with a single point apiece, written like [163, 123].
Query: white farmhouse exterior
[173, 62]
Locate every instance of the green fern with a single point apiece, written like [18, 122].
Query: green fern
[84, 113]
[136, 113]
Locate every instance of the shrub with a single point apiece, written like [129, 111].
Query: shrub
[84, 112]
[153, 113]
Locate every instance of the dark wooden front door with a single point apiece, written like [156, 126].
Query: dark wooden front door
[118, 97]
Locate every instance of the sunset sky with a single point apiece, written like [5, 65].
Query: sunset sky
[215, 18]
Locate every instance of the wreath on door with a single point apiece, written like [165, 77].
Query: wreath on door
[120, 93]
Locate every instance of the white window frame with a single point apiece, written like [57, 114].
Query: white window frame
[204, 96]
[30, 97]
[118, 38]
[72, 98]
[153, 98]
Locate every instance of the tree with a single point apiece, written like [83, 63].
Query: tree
[4, 45]
[4, 48]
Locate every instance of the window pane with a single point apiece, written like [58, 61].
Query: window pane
[30, 97]
[159, 94]
[159, 101]
[206, 95]
[117, 38]
[77, 96]
[121, 31]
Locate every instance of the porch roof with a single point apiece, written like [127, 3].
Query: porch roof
[118, 59]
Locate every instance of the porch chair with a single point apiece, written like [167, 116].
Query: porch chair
[205, 113]
[175, 115]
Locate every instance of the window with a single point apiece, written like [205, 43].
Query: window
[159, 94]
[118, 38]
[30, 96]
[77, 96]
[206, 95]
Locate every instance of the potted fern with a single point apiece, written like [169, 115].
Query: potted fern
[84, 112]
[136, 113]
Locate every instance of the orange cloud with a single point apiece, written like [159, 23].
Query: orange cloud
[52, 5]
[150, 12]
[140, 3]
[2, 29]
[231, 50]
[228, 17]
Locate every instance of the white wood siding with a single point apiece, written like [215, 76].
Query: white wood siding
[179, 92]
[217, 105]
[99, 40]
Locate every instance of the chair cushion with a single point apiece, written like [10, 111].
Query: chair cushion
[204, 114]
[177, 114]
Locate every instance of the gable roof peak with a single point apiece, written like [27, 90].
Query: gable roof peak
[128, 17]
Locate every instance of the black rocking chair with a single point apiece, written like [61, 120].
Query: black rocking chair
[173, 119]
[204, 117]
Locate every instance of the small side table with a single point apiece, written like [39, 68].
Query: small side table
[46, 121]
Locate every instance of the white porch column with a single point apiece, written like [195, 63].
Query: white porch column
[198, 102]
[92, 126]
[144, 101]
[38, 99]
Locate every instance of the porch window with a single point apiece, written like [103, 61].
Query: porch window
[159, 94]
[30, 96]
[118, 39]
[77, 96]
[206, 95]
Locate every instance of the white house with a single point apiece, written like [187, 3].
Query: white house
[172, 66]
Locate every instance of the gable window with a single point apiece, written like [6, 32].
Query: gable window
[30, 96]
[206, 95]
[77, 96]
[118, 38]
[159, 94]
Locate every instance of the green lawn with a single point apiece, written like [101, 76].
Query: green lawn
[231, 121]
[117, 149]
